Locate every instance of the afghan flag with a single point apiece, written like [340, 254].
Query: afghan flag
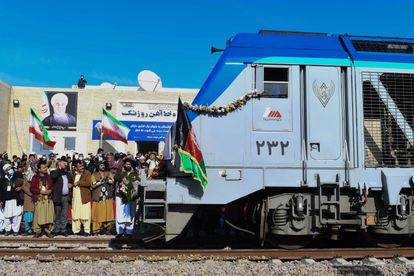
[39, 131]
[114, 128]
[191, 158]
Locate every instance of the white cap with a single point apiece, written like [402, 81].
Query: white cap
[5, 167]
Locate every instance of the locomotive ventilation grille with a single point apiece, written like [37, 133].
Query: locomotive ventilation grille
[388, 119]
[383, 47]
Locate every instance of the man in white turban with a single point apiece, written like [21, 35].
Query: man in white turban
[10, 201]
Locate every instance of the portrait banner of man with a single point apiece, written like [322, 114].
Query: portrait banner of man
[62, 110]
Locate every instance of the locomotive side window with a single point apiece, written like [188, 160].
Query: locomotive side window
[276, 82]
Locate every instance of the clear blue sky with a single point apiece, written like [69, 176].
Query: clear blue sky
[50, 43]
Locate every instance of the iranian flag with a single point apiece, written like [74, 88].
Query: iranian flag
[45, 105]
[114, 128]
[39, 131]
[191, 158]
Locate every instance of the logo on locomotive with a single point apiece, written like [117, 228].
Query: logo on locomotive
[323, 92]
[270, 114]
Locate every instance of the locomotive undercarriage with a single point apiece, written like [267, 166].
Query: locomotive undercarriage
[292, 217]
[290, 220]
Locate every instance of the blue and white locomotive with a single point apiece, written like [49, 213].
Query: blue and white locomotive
[325, 146]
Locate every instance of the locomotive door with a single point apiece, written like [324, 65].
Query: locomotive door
[324, 118]
[274, 124]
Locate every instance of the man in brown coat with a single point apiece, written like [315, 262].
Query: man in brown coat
[41, 188]
[28, 207]
[81, 197]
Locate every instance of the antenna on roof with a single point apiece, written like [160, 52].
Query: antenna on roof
[149, 81]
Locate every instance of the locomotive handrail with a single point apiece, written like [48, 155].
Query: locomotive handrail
[304, 164]
[347, 163]
[304, 158]
[346, 152]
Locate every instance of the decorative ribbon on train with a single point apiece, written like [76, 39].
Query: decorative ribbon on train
[221, 110]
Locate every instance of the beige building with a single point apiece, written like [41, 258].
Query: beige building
[148, 114]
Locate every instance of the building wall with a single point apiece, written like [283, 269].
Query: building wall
[90, 104]
[5, 101]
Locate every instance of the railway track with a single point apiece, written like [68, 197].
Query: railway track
[259, 254]
[59, 239]
[107, 247]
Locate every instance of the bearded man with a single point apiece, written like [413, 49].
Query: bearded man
[127, 184]
[102, 196]
[41, 188]
[81, 197]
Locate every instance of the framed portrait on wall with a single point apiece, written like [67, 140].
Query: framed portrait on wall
[59, 110]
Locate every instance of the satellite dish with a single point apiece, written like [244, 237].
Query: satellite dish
[107, 85]
[149, 81]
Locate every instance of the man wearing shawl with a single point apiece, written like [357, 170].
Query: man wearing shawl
[102, 196]
[127, 182]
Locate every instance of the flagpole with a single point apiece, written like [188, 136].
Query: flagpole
[101, 135]
[31, 143]
[100, 140]
[31, 135]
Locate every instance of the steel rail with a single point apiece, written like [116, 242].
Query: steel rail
[60, 239]
[316, 254]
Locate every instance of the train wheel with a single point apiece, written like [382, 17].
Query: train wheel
[290, 242]
[386, 240]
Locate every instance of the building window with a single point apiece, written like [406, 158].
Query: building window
[276, 83]
[70, 143]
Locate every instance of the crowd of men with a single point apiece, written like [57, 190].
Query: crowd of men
[73, 195]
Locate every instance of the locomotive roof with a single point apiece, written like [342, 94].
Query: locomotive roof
[289, 45]
[321, 46]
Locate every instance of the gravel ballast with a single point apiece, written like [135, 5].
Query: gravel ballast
[201, 267]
